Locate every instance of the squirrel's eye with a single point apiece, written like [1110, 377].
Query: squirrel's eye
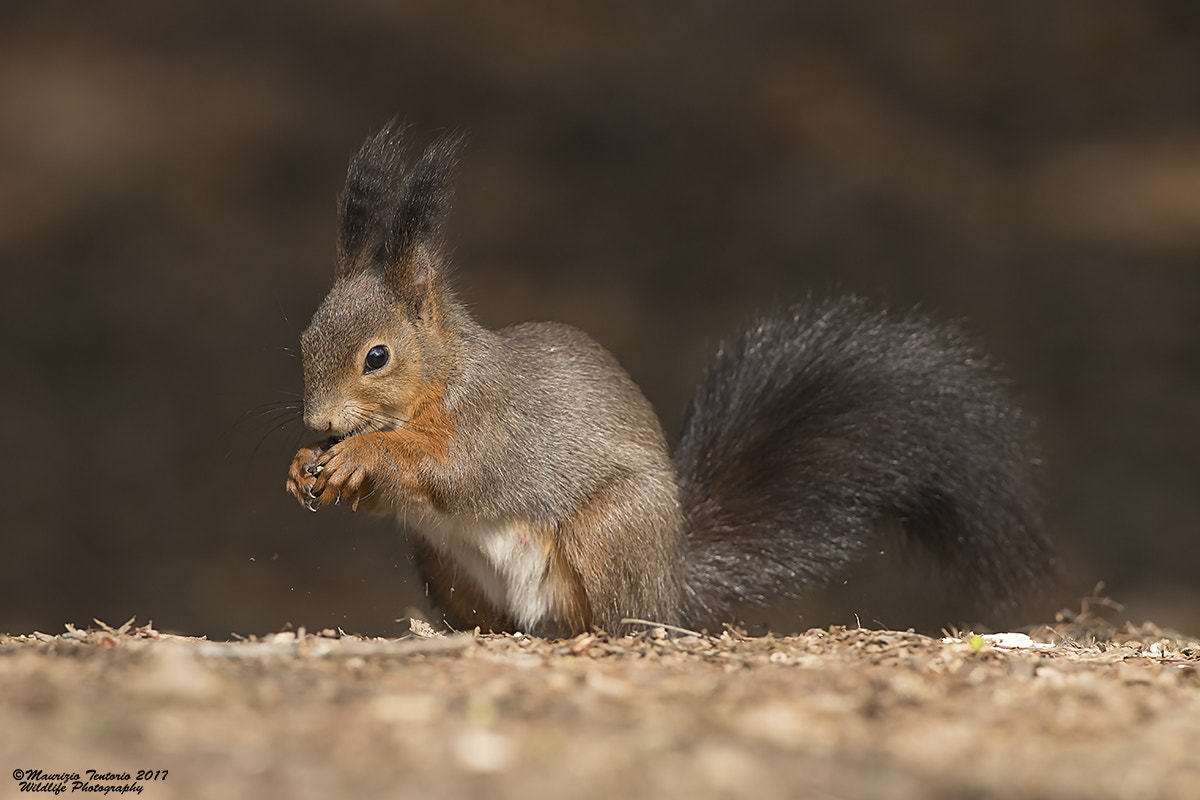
[377, 358]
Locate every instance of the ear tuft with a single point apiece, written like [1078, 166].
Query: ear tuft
[367, 204]
[423, 201]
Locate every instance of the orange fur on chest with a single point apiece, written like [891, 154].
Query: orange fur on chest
[430, 429]
[425, 433]
[396, 460]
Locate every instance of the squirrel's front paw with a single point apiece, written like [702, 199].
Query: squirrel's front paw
[302, 474]
[338, 474]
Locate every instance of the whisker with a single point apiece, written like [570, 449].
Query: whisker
[272, 408]
[259, 422]
[379, 419]
[264, 420]
[278, 426]
[271, 411]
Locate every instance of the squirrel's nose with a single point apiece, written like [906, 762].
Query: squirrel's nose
[316, 421]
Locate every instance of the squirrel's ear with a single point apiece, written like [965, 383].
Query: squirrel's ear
[367, 204]
[411, 249]
[391, 218]
[424, 199]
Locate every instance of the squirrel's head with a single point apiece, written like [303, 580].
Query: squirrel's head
[379, 339]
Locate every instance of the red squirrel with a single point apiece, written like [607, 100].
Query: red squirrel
[534, 479]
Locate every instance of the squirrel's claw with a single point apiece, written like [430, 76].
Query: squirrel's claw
[324, 476]
[303, 476]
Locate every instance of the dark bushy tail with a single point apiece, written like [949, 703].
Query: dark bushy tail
[821, 423]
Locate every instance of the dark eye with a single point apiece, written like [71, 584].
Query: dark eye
[377, 358]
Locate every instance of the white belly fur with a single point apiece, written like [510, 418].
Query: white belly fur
[507, 560]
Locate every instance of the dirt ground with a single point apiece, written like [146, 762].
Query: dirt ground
[1077, 709]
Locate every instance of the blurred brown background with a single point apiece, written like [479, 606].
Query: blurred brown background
[651, 172]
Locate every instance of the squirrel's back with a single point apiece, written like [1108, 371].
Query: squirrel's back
[579, 415]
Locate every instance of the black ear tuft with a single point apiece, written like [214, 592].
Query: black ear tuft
[423, 200]
[367, 205]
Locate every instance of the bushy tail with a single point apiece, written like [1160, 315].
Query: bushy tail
[822, 422]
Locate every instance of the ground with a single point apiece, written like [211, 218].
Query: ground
[1078, 709]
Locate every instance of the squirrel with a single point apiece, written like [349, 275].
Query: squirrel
[534, 479]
